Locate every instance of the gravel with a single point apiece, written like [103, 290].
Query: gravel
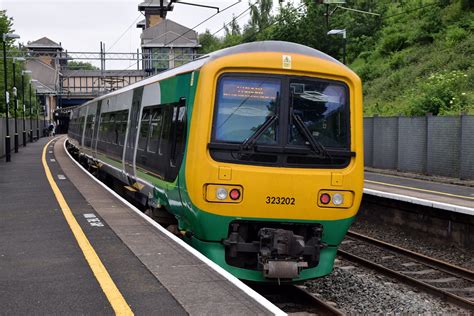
[416, 242]
[356, 290]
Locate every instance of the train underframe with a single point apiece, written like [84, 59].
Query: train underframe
[279, 250]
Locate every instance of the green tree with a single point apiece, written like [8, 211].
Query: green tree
[233, 28]
[209, 42]
[260, 15]
[79, 65]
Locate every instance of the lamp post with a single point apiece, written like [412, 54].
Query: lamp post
[31, 121]
[24, 103]
[7, 98]
[344, 36]
[37, 115]
[15, 95]
[37, 110]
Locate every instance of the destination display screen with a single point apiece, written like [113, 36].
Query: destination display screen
[250, 89]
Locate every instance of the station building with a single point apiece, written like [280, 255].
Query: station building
[164, 44]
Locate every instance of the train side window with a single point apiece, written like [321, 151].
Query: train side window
[155, 130]
[90, 122]
[165, 131]
[104, 120]
[179, 133]
[144, 129]
[121, 126]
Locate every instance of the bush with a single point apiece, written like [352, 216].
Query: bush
[455, 34]
[397, 61]
[440, 94]
[393, 43]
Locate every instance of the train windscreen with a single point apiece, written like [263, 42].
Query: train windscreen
[281, 120]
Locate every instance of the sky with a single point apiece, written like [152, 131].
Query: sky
[80, 25]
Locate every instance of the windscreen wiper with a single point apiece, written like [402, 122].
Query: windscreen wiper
[250, 142]
[317, 147]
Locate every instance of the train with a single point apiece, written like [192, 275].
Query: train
[253, 154]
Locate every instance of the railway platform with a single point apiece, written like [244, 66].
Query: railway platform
[439, 210]
[448, 197]
[70, 246]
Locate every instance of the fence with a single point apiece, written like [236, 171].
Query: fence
[11, 128]
[431, 145]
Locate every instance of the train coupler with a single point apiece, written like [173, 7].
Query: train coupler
[279, 252]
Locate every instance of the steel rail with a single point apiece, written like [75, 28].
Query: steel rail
[323, 307]
[432, 262]
[298, 296]
[443, 294]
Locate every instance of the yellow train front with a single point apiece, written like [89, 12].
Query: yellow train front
[273, 172]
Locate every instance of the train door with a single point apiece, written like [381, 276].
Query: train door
[95, 134]
[131, 137]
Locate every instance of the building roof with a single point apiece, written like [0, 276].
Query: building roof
[44, 73]
[168, 33]
[155, 5]
[44, 42]
[42, 88]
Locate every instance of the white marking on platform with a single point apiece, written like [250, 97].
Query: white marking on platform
[429, 203]
[239, 284]
[61, 177]
[93, 220]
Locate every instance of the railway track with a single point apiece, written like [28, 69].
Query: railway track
[452, 283]
[295, 299]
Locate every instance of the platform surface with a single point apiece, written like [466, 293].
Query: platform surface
[44, 271]
[447, 196]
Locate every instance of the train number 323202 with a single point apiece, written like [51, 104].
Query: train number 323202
[280, 200]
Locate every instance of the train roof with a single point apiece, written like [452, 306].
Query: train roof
[263, 46]
[272, 46]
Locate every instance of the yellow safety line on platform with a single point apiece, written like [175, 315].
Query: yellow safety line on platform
[113, 294]
[421, 190]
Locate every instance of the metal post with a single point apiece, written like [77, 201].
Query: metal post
[327, 16]
[31, 118]
[101, 70]
[344, 50]
[24, 107]
[7, 136]
[44, 108]
[15, 95]
[37, 116]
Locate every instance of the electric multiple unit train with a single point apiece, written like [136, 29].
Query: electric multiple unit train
[253, 153]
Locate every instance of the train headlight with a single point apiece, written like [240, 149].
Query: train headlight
[221, 194]
[337, 199]
[325, 198]
[234, 194]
